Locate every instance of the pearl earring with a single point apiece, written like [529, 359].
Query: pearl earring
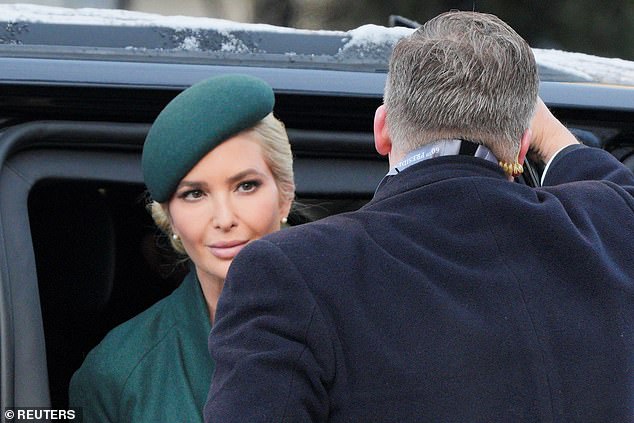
[175, 237]
[284, 220]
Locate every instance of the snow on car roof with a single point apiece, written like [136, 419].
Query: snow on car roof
[588, 67]
[366, 44]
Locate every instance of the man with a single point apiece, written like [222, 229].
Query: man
[455, 294]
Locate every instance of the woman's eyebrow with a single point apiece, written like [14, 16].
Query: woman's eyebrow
[191, 185]
[241, 175]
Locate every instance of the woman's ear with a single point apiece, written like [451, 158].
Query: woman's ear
[285, 207]
[382, 141]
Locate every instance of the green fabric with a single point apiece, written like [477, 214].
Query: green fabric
[153, 368]
[196, 121]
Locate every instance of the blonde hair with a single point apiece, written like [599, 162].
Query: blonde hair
[278, 157]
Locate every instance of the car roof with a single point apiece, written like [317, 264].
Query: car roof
[45, 45]
[44, 31]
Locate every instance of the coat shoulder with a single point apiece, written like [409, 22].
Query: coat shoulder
[109, 365]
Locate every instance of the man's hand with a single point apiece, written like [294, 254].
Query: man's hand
[548, 134]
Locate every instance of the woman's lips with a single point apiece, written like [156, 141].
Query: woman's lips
[227, 250]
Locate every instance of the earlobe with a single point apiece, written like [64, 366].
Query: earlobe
[382, 141]
[285, 209]
[525, 143]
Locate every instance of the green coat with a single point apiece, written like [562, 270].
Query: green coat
[153, 368]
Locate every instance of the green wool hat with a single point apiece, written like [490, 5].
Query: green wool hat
[195, 122]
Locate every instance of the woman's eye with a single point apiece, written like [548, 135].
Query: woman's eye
[192, 194]
[248, 186]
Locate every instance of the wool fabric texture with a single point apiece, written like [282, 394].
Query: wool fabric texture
[195, 122]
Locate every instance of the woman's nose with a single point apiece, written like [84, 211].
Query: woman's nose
[222, 216]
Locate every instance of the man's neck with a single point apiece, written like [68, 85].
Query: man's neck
[399, 161]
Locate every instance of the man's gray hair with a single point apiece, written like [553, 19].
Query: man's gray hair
[463, 75]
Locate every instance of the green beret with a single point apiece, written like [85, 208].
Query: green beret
[195, 122]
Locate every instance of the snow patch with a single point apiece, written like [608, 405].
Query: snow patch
[23, 12]
[586, 66]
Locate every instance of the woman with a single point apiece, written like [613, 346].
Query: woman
[218, 167]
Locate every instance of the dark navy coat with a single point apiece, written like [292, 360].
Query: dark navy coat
[453, 296]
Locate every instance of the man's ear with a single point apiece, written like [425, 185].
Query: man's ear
[382, 141]
[525, 143]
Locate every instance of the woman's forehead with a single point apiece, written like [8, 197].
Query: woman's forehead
[242, 153]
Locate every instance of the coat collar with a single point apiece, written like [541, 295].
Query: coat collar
[192, 311]
[436, 170]
[449, 147]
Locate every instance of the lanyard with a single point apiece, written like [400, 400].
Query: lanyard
[443, 148]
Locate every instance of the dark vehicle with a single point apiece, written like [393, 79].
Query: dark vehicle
[78, 92]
